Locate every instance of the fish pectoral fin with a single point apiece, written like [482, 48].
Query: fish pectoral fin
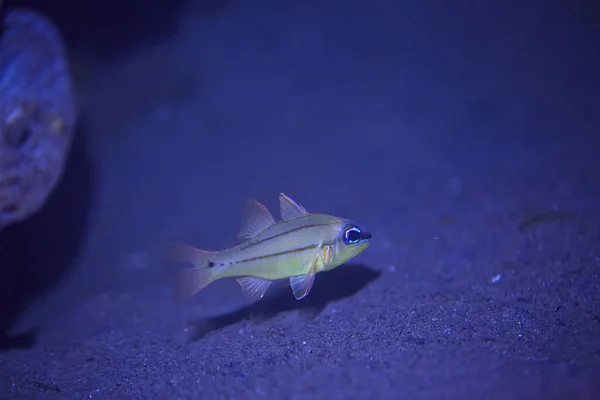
[255, 219]
[289, 209]
[253, 288]
[301, 285]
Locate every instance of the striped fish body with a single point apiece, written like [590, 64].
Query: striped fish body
[289, 248]
[297, 248]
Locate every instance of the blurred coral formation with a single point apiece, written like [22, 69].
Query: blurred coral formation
[38, 113]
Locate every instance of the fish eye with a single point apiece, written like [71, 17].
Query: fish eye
[353, 234]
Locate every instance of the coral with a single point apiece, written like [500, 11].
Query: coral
[37, 113]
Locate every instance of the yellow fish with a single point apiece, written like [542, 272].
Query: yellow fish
[297, 247]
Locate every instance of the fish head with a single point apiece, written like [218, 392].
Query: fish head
[350, 240]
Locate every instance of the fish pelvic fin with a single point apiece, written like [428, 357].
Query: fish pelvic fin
[189, 281]
[301, 285]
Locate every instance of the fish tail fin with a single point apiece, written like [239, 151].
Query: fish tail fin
[189, 281]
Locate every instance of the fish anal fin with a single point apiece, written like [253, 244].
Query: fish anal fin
[253, 288]
[301, 285]
[289, 209]
[255, 219]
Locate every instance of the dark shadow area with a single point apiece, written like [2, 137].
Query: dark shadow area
[37, 253]
[112, 28]
[329, 286]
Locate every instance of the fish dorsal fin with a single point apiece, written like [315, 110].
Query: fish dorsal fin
[255, 219]
[289, 209]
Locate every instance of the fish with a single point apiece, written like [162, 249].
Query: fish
[298, 247]
[541, 218]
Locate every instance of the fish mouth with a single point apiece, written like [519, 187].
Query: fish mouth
[365, 236]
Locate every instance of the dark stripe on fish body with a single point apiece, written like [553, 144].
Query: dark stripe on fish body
[252, 244]
[283, 253]
[278, 254]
